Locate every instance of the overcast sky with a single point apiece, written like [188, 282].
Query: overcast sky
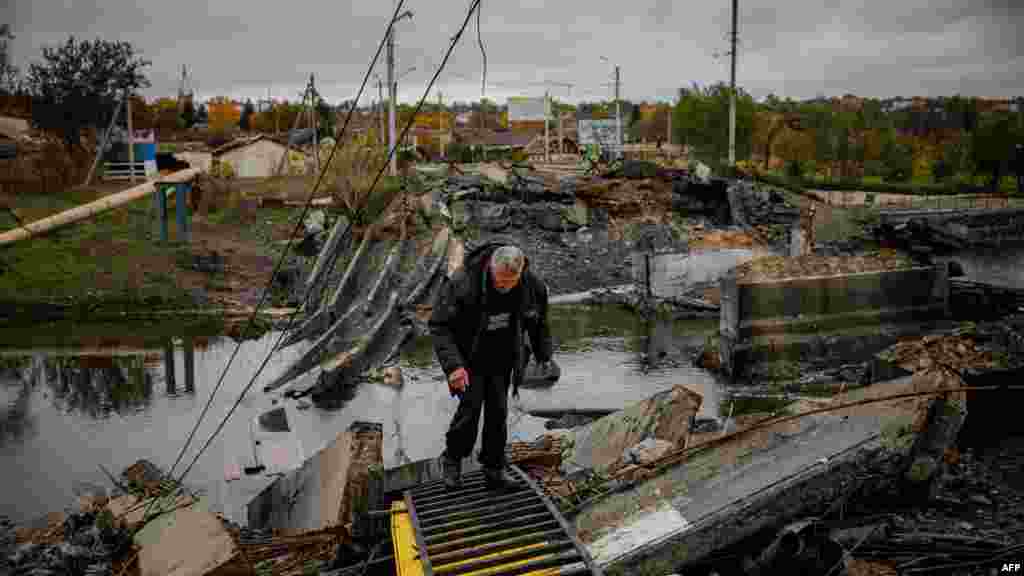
[795, 48]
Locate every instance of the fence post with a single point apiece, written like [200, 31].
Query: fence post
[160, 201]
[181, 210]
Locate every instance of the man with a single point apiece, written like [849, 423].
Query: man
[477, 327]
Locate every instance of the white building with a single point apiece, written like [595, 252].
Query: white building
[258, 157]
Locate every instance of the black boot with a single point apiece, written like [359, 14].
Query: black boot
[452, 473]
[498, 479]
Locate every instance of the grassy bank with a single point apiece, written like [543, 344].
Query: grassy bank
[113, 263]
[1007, 185]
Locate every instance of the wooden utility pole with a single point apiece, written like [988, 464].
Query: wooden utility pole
[103, 144]
[314, 121]
[618, 114]
[547, 140]
[732, 90]
[131, 135]
[561, 139]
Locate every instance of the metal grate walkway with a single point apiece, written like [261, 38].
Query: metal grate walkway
[474, 531]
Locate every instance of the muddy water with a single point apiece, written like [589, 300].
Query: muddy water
[63, 416]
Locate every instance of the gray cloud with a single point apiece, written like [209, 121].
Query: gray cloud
[791, 48]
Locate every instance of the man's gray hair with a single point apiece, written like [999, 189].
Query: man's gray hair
[508, 258]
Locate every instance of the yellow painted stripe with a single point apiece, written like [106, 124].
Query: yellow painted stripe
[403, 538]
[407, 562]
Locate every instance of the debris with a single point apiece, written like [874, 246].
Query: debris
[959, 352]
[664, 416]
[779, 267]
[325, 490]
[647, 451]
[189, 541]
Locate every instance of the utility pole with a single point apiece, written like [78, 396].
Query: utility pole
[131, 135]
[547, 141]
[314, 121]
[732, 90]
[391, 101]
[618, 114]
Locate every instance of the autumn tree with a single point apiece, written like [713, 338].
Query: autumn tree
[77, 84]
[223, 114]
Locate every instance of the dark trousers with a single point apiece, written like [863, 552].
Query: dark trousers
[487, 393]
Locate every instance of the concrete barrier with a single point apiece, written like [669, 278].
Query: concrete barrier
[668, 274]
[794, 306]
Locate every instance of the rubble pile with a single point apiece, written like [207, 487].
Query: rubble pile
[771, 268]
[540, 459]
[628, 198]
[952, 350]
[86, 542]
[975, 517]
[763, 210]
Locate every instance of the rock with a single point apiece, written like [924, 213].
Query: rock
[647, 451]
[599, 218]
[980, 500]
[491, 216]
[316, 222]
[703, 425]
[393, 377]
[576, 215]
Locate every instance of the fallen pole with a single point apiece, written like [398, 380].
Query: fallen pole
[91, 209]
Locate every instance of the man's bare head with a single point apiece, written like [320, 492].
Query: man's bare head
[506, 265]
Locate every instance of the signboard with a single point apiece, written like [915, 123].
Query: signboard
[525, 109]
[597, 132]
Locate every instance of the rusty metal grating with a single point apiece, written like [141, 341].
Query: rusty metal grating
[478, 531]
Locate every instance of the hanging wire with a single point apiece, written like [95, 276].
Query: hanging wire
[405, 131]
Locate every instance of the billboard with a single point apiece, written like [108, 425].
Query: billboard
[525, 109]
[597, 132]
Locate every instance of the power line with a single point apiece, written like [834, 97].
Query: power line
[380, 173]
[277, 267]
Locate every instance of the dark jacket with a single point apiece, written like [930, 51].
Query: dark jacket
[460, 315]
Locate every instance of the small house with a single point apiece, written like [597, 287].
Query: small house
[256, 157]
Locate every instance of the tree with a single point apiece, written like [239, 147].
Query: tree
[78, 83]
[8, 72]
[991, 145]
[247, 111]
[188, 113]
[701, 120]
[223, 113]
[327, 119]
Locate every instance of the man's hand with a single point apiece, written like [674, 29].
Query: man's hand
[458, 381]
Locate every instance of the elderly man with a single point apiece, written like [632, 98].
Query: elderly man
[477, 327]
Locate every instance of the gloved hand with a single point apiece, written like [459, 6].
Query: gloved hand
[458, 381]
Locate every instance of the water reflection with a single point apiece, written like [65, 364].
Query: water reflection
[98, 386]
[16, 380]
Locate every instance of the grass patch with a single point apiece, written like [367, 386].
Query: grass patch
[112, 255]
[753, 405]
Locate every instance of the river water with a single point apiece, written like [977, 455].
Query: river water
[67, 411]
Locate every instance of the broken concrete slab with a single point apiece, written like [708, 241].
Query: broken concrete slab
[326, 490]
[664, 416]
[721, 492]
[189, 541]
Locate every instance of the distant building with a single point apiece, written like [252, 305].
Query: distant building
[256, 157]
